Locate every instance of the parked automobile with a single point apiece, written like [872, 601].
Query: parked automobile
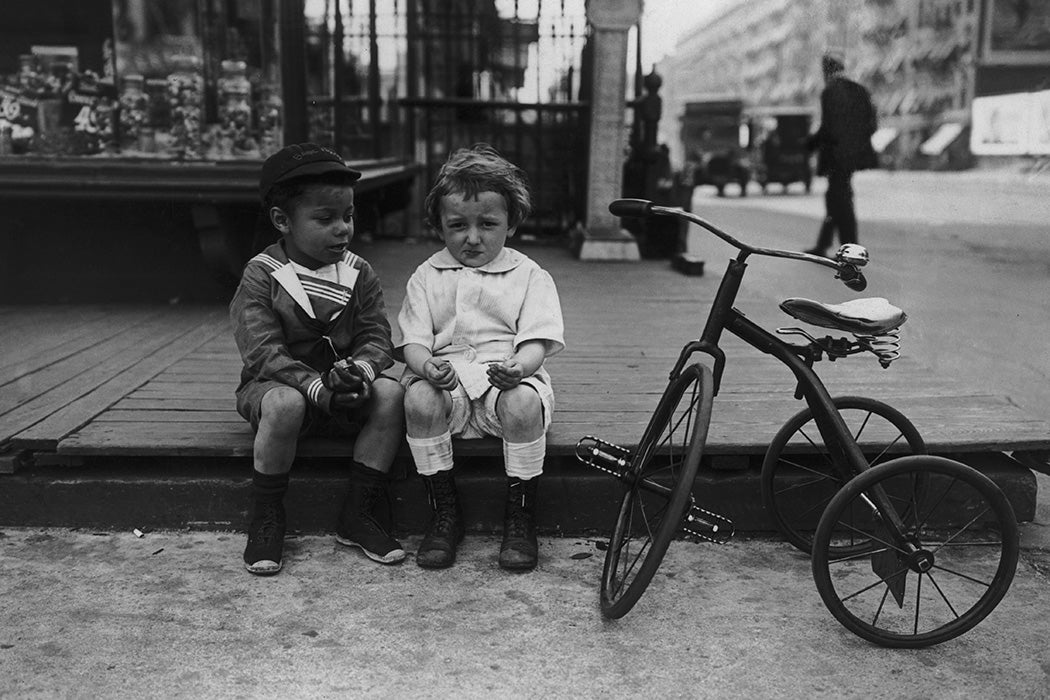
[715, 152]
[778, 142]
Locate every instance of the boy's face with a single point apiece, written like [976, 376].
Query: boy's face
[475, 230]
[319, 226]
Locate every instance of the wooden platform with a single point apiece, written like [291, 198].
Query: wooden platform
[159, 381]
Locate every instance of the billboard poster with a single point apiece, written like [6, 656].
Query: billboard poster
[1039, 123]
[999, 125]
[1016, 32]
[1011, 125]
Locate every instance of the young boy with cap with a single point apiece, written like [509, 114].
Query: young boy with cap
[312, 331]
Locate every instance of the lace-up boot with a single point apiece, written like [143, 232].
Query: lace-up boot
[358, 526]
[265, 548]
[263, 553]
[445, 532]
[519, 550]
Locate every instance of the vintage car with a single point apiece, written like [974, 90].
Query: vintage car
[778, 144]
[714, 139]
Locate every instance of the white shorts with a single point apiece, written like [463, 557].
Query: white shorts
[478, 418]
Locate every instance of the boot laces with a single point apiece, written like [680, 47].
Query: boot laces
[518, 523]
[370, 495]
[269, 522]
[518, 519]
[443, 501]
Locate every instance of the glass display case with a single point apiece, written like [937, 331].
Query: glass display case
[181, 80]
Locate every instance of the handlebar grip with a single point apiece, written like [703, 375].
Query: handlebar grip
[857, 284]
[630, 207]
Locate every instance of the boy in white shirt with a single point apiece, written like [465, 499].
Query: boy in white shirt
[477, 322]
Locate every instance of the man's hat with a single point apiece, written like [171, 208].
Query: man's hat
[298, 160]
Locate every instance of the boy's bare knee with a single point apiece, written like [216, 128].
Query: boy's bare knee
[519, 408]
[424, 403]
[388, 399]
[283, 410]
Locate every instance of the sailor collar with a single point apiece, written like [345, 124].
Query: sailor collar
[505, 261]
[276, 259]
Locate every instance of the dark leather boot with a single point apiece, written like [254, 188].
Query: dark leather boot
[445, 532]
[358, 525]
[264, 550]
[519, 550]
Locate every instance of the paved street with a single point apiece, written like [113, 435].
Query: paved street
[173, 614]
[967, 255]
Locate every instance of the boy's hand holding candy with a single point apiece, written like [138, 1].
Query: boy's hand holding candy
[350, 387]
[507, 374]
[441, 374]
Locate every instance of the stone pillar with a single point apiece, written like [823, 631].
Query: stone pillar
[610, 20]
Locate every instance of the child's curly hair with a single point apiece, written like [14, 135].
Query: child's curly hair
[480, 168]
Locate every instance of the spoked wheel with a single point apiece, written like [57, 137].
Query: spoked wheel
[799, 476]
[955, 564]
[658, 488]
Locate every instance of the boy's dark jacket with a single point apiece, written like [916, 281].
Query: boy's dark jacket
[280, 341]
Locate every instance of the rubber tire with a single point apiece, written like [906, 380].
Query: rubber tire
[617, 601]
[771, 465]
[926, 466]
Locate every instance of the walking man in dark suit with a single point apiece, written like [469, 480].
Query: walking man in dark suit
[847, 122]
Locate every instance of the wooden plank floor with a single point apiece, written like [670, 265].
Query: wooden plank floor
[126, 380]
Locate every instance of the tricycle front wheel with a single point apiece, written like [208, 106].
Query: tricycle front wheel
[648, 519]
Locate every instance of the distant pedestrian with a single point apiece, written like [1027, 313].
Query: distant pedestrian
[312, 330]
[847, 123]
[477, 323]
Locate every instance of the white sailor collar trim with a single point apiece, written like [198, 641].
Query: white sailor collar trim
[505, 261]
[286, 276]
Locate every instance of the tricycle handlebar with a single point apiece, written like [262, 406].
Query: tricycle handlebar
[846, 263]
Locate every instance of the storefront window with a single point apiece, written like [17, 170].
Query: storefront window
[356, 67]
[177, 80]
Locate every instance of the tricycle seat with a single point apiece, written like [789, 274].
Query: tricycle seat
[873, 316]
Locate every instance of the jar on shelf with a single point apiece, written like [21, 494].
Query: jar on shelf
[158, 111]
[271, 116]
[186, 99]
[6, 138]
[106, 116]
[235, 109]
[134, 111]
[30, 79]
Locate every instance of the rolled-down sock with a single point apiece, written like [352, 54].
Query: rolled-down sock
[524, 460]
[432, 454]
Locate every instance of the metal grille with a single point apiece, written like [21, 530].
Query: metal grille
[356, 71]
[507, 73]
[421, 78]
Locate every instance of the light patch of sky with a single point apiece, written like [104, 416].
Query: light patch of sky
[664, 22]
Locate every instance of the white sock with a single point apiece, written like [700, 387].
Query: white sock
[432, 454]
[525, 459]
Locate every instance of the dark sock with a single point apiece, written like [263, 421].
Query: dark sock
[366, 471]
[269, 488]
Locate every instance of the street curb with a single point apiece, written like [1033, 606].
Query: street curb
[215, 495]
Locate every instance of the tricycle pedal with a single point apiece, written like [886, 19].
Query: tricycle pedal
[603, 455]
[708, 526]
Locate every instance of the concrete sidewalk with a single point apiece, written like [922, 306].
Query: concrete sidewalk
[914, 197]
[173, 614]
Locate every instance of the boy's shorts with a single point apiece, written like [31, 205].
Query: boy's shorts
[316, 422]
[477, 418]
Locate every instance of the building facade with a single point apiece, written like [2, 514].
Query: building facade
[925, 62]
